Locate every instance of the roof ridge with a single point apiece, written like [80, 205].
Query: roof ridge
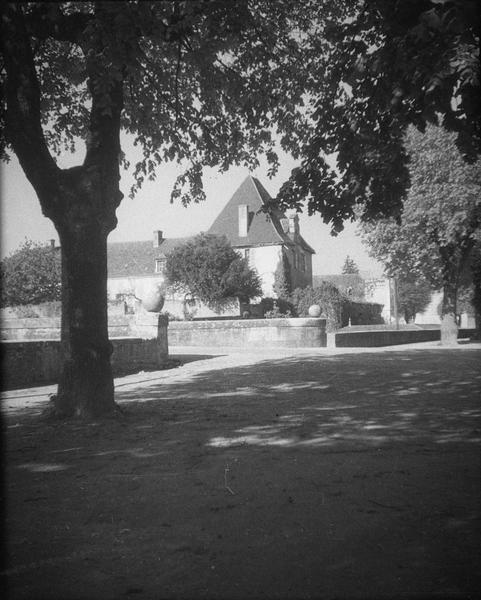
[256, 183]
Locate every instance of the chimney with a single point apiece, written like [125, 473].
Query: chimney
[157, 238]
[243, 219]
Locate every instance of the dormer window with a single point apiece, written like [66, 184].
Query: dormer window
[243, 212]
[160, 265]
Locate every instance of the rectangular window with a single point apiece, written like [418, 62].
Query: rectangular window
[160, 265]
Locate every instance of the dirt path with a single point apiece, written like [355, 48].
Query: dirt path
[306, 474]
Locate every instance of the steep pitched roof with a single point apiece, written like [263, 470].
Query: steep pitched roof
[263, 228]
[131, 259]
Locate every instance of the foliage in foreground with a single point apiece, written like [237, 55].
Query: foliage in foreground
[386, 65]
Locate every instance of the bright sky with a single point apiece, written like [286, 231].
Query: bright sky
[21, 216]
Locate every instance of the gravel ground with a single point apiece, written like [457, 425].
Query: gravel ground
[325, 473]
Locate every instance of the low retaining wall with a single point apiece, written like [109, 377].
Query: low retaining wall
[368, 339]
[32, 361]
[268, 333]
[39, 362]
[144, 325]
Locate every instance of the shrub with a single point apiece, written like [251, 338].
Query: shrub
[212, 270]
[31, 275]
[327, 296]
[275, 308]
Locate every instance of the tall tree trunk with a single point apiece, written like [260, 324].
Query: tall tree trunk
[80, 201]
[86, 385]
[84, 215]
[449, 326]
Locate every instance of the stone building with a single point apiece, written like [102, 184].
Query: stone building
[267, 240]
[270, 241]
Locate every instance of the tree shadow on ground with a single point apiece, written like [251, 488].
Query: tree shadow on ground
[360, 398]
[317, 400]
[352, 475]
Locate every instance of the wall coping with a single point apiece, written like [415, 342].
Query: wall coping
[248, 323]
[57, 341]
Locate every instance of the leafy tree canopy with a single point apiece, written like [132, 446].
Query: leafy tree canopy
[388, 65]
[30, 275]
[441, 219]
[441, 216]
[212, 270]
[202, 83]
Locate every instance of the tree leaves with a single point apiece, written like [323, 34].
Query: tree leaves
[387, 65]
[441, 218]
[212, 270]
[215, 83]
[32, 274]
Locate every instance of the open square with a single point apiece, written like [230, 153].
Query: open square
[279, 474]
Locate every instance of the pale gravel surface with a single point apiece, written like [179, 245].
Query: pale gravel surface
[302, 473]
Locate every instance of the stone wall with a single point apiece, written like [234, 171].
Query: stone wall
[368, 339]
[38, 362]
[34, 361]
[266, 333]
[142, 324]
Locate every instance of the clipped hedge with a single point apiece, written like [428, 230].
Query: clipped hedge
[361, 313]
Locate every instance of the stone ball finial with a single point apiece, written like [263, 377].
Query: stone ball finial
[314, 310]
[153, 300]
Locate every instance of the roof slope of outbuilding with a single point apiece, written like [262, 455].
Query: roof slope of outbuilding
[135, 259]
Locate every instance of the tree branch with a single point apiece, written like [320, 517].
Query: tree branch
[46, 20]
[23, 119]
[105, 82]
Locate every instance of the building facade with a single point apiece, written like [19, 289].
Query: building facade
[267, 238]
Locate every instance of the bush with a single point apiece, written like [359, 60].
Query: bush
[274, 308]
[212, 271]
[31, 275]
[327, 296]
